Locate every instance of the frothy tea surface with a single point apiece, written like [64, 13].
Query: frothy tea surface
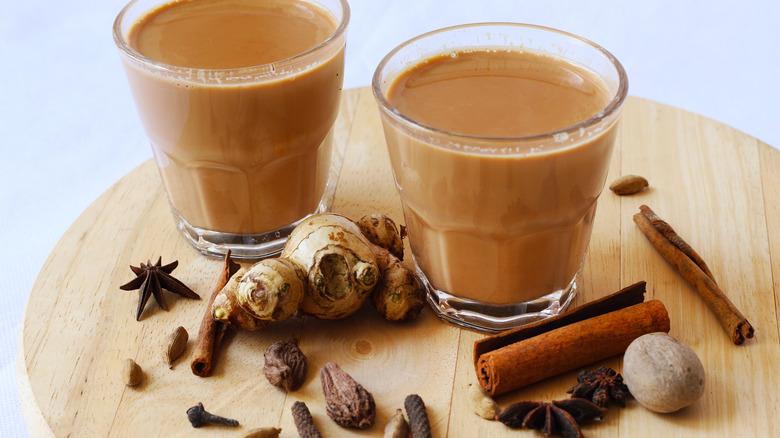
[498, 93]
[230, 33]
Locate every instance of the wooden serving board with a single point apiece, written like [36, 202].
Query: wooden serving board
[718, 187]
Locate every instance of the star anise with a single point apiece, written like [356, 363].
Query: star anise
[558, 417]
[152, 279]
[600, 386]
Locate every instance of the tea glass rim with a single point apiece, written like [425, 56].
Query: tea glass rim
[612, 108]
[270, 68]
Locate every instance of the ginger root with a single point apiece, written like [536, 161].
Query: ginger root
[271, 290]
[227, 309]
[328, 269]
[398, 296]
[339, 263]
[381, 231]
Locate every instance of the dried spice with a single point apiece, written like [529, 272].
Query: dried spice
[132, 374]
[199, 417]
[569, 347]
[152, 279]
[397, 427]
[481, 402]
[347, 402]
[418, 416]
[264, 432]
[690, 265]
[663, 374]
[628, 185]
[211, 331]
[304, 421]
[558, 417]
[175, 346]
[285, 364]
[381, 231]
[600, 386]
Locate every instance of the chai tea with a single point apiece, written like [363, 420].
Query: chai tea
[486, 223]
[241, 128]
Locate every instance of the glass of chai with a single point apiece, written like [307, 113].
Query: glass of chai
[239, 100]
[500, 137]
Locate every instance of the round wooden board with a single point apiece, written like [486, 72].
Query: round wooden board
[718, 187]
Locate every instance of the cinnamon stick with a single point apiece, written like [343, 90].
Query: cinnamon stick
[211, 331]
[569, 347]
[628, 296]
[664, 228]
[730, 318]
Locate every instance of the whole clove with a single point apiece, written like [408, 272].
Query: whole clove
[199, 417]
[418, 416]
[304, 421]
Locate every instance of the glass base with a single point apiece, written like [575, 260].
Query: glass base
[242, 246]
[490, 318]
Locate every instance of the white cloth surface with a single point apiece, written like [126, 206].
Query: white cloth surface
[69, 130]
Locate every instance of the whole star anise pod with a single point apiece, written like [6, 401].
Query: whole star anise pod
[152, 279]
[600, 386]
[558, 417]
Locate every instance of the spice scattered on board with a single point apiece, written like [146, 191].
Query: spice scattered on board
[569, 347]
[397, 426]
[691, 266]
[285, 364]
[304, 421]
[263, 432]
[481, 402]
[199, 417]
[150, 281]
[663, 374]
[132, 374]
[561, 416]
[601, 386]
[175, 345]
[628, 185]
[348, 404]
[211, 331]
[419, 423]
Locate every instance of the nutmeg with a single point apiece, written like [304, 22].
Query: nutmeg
[663, 374]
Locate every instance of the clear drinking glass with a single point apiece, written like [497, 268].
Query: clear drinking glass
[499, 226]
[244, 154]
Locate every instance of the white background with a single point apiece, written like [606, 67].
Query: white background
[68, 127]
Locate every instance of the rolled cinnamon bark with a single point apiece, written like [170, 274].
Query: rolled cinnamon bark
[211, 331]
[689, 264]
[628, 296]
[569, 347]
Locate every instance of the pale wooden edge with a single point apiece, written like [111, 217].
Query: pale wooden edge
[33, 417]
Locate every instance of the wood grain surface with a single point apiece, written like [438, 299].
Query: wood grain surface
[718, 187]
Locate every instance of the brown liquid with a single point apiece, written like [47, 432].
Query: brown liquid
[246, 156]
[499, 228]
